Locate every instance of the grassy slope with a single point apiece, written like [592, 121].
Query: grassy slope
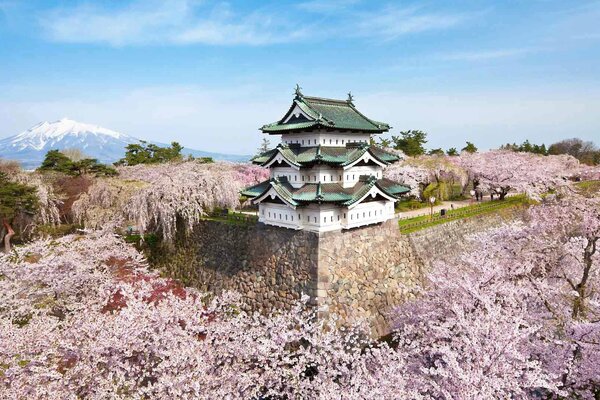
[424, 221]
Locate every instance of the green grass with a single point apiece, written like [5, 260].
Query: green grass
[424, 221]
[588, 188]
[232, 218]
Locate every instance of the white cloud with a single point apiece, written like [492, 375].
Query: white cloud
[172, 21]
[392, 22]
[326, 6]
[483, 55]
[192, 21]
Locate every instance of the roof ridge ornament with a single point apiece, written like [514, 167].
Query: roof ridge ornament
[350, 98]
[298, 91]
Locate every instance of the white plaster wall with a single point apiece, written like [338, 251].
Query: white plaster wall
[323, 217]
[351, 175]
[324, 138]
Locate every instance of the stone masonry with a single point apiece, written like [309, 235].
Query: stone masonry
[357, 274]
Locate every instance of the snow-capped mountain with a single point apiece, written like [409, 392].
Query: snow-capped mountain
[30, 147]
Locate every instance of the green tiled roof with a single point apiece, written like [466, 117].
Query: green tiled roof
[325, 192]
[336, 156]
[325, 113]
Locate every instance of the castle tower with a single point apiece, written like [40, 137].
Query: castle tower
[325, 174]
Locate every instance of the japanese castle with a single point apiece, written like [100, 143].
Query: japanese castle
[325, 174]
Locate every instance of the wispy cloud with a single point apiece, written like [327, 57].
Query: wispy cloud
[173, 21]
[484, 55]
[327, 6]
[192, 21]
[392, 22]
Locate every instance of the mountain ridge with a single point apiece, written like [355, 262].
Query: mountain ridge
[30, 146]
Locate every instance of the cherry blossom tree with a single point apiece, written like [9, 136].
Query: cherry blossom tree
[500, 171]
[163, 197]
[82, 316]
[518, 315]
[419, 172]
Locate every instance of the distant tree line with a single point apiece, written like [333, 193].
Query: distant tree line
[585, 151]
[412, 143]
[149, 153]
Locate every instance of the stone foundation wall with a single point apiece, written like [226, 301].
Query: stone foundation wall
[357, 273]
[446, 241]
[270, 267]
[364, 273]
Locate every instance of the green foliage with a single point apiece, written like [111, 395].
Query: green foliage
[204, 160]
[585, 152]
[496, 207]
[59, 162]
[452, 151]
[57, 231]
[469, 148]
[148, 153]
[264, 146]
[56, 161]
[410, 142]
[385, 142]
[437, 151]
[527, 147]
[440, 191]
[16, 198]
[410, 205]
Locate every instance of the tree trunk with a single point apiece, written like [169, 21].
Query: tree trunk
[579, 306]
[503, 193]
[9, 234]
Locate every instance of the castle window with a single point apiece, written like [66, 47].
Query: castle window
[315, 220]
[336, 141]
[299, 218]
[292, 217]
[351, 216]
[286, 217]
[308, 218]
[332, 218]
[363, 214]
[330, 141]
[342, 141]
[369, 213]
[315, 178]
[302, 141]
[338, 217]
[325, 178]
[344, 215]
[295, 178]
[302, 178]
[269, 214]
[324, 219]
[352, 176]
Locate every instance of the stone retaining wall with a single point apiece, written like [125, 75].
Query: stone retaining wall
[445, 241]
[359, 273]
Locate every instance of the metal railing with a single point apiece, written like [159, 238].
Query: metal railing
[470, 211]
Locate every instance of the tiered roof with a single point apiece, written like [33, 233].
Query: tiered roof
[325, 192]
[324, 113]
[299, 156]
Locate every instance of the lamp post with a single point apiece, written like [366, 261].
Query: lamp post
[472, 192]
[431, 203]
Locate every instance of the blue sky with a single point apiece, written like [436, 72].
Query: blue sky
[209, 74]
